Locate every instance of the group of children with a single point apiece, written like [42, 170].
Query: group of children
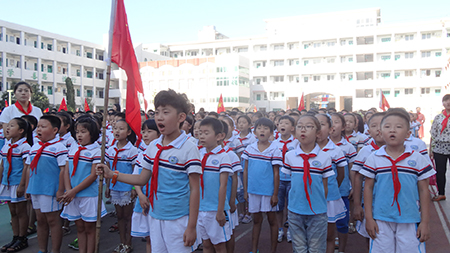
[196, 180]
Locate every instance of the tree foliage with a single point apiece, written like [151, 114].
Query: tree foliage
[70, 95]
[38, 98]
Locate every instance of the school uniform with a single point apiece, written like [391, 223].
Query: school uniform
[67, 140]
[217, 162]
[12, 177]
[260, 185]
[396, 215]
[336, 209]
[418, 145]
[168, 217]
[141, 149]
[12, 112]
[356, 139]
[126, 159]
[84, 205]
[244, 142]
[236, 168]
[2, 138]
[139, 221]
[233, 143]
[43, 195]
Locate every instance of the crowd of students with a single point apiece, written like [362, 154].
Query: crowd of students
[195, 176]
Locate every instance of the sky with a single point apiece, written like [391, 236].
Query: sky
[169, 21]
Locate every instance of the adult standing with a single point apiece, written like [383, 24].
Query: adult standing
[22, 92]
[440, 146]
[421, 119]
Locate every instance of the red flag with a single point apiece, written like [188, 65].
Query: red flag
[123, 55]
[6, 103]
[220, 106]
[46, 110]
[383, 102]
[86, 105]
[301, 105]
[63, 105]
[254, 109]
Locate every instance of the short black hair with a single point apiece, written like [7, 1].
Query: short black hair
[31, 119]
[225, 127]
[90, 123]
[399, 112]
[120, 115]
[378, 114]
[54, 121]
[265, 122]
[258, 115]
[176, 100]
[216, 124]
[233, 113]
[150, 124]
[67, 120]
[288, 118]
[27, 132]
[446, 97]
[214, 114]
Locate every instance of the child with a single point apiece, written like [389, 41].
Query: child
[286, 142]
[261, 181]
[139, 224]
[46, 161]
[350, 134]
[66, 129]
[12, 178]
[391, 198]
[231, 141]
[196, 128]
[213, 219]
[174, 193]
[121, 157]
[188, 127]
[80, 181]
[309, 168]
[336, 209]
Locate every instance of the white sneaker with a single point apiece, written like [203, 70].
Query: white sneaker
[288, 236]
[280, 235]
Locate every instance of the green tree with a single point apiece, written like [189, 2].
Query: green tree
[38, 98]
[70, 95]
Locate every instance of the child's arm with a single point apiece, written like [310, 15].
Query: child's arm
[67, 184]
[245, 180]
[60, 192]
[276, 185]
[341, 174]
[423, 231]
[1, 171]
[23, 179]
[190, 234]
[143, 200]
[358, 212]
[325, 186]
[371, 224]
[71, 192]
[220, 216]
[141, 179]
[233, 192]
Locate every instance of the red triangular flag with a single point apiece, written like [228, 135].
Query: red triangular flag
[301, 105]
[254, 109]
[123, 55]
[46, 110]
[6, 103]
[220, 106]
[63, 105]
[383, 102]
[86, 105]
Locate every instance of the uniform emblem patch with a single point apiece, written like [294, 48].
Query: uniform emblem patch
[215, 162]
[231, 145]
[16, 150]
[87, 154]
[124, 157]
[316, 163]
[52, 149]
[173, 160]
[412, 163]
[291, 148]
[414, 147]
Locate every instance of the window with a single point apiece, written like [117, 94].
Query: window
[350, 42]
[89, 55]
[278, 63]
[438, 54]
[409, 37]
[278, 47]
[385, 39]
[350, 77]
[385, 75]
[408, 73]
[408, 91]
[331, 44]
[49, 90]
[386, 92]
[78, 93]
[438, 73]
[330, 60]
[426, 54]
[330, 77]
[316, 78]
[278, 79]
[305, 79]
[397, 57]
[263, 48]
[396, 75]
[306, 46]
[244, 99]
[242, 50]
[258, 97]
[64, 92]
[78, 72]
[426, 72]
[49, 68]
[426, 36]
[89, 74]
[437, 92]
[409, 55]
[89, 93]
[425, 91]
[100, 94]
[350, 59]
[342, 42]
[317, 45]
[396, 93]
[305, 63]
[367, 93]
[385, 57]
[49, 47]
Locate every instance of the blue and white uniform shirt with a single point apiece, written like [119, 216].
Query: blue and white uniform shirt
[233, 143]
[411, 170]
[260, 168]
[125, 163]
[362, 156]
[418, 145]
[145, 188]
[356, 139]
[2, 138]
[235, 167]
[89, 156]
[350, 153]
[216, 164]
[67, 140]
[142, 147]
[365, 137]
[175, 165]
[244, 142]
[337, 160]
[44, 180]
[290, 146]
[18, 154]
[320, 168]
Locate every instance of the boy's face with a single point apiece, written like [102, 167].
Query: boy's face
[285, 127]
[45, 131]
[374, 129]
[207, 137]
[349, 123]
[168, 119]
[446, 104]
[395, 130]
[83, 135]
[263, 133]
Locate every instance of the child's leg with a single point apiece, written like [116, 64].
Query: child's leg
[272, 218]
[21, 210]
[42, 230]
[316, 232]
[90, 234]
[121, 223]
[148, 245]
[14, 218]
[55, 225]
[331, 237]
[231, 243]
[31, 215]
[220, 248]
[208, 247]
[128, 212]
[82, 238]
[342, 226]
[298, 230]
[257, 221]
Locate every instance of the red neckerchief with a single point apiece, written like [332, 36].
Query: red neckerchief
[277, 135]
[33, 165]
[325, 149]
[113, 142]
[76, 157]
[396, 181]
[154, 180]
[348, 137]
[242, 139]
[204, 159]
[116, 158]
[375, 146]
[307, 176]
[9, 158]
[445, 121]
[19, 106]
[225, 142]
[285, 149]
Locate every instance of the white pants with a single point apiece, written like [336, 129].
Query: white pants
[396, 238]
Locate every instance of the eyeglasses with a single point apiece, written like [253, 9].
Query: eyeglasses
[307, 128]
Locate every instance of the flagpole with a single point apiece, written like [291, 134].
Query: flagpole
[105, 111]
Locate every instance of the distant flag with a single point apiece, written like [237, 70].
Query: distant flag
[325, 100]
[288, 107]
[301, 105]
[384, 105]
[86, 105]
[254, 109]
[46, 110]
[63, 105]
[220, 105]
[6, 103]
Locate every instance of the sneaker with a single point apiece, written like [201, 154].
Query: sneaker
[74, 244]
[241, 216]
[288, 236]
[351, 228]
[280, 235]
[247, 219]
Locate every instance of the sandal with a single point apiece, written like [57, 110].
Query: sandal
[126, 249]
[6, 246]
[31, 230]
[118, 248]
[114, 228]
[66, 230]
[19, 245]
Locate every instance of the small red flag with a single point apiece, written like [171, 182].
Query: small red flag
[46, 110]
[6, 103]
[63, 105]
[254, 109]
[383, 102]
[220, 106]
[86, 105]
[301, 105]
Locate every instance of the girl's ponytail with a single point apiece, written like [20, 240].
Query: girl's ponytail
[27, 129]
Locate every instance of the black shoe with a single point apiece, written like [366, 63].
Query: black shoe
[9, 244]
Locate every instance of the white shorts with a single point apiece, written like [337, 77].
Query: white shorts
[121, 198]
[260, 204]
[361, 228]
[10, 193]
[139, 225]
[396, 237]
[167, 235]
[234, 219]
[209, 228]
[336, 210]
[84, 208]
[46, 204]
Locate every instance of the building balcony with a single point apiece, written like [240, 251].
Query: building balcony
[114, 93]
